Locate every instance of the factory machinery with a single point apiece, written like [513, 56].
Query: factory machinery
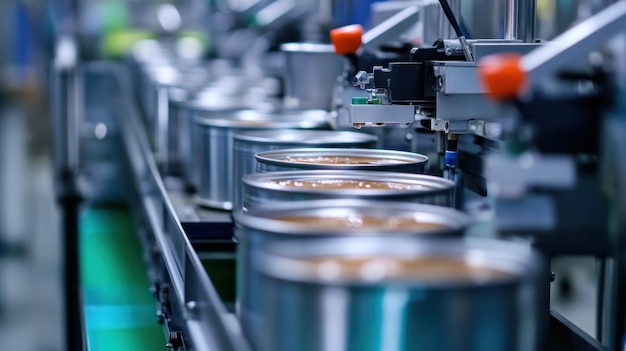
[530, 132]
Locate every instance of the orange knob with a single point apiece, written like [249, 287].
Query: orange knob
[347, 40]
[502, 75]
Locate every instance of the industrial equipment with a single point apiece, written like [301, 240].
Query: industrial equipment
[529, 132]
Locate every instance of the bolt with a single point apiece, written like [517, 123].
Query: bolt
[448, 51]
[169, 345]
[552, 277]
[191, 305]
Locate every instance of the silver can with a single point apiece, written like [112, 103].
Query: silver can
[266, 190]
[214, 152]
[311, 87]
[210, 103]
[247, 144]
[340, 159]
[197, 106]
[327, 218]
[405, 294]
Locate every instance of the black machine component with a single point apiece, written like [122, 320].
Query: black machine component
[545, 115]
[441, 50]
[407, 82]
[413, 81]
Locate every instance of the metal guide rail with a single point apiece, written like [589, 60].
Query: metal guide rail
[207, 322]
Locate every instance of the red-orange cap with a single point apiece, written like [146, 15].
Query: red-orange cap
[502, 75]
[347, 40]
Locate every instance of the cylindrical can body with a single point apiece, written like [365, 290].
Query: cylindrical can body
[266, 190]
[340, 159]
[247, 144]
[214, 152]
[319, 297]
[325, 219]
[187, 139]
[228, 92]
[311, 72]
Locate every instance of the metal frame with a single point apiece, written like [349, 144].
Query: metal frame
[208, 323]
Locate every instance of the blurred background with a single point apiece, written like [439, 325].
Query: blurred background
[30, 242]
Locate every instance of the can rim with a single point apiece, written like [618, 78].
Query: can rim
[268, 220]
[407, 159]
[434, 184]
[287, 260]
[246, 118]
[317, 137]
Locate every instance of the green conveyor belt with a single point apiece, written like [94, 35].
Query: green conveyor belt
[119, 309]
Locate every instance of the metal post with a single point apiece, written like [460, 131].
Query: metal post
[66, 109]
[520, 18]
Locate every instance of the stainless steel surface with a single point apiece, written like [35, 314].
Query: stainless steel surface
[392, 28]
[366, 312]
[311, 71]
[227, 93]
[260, 190]
[255, 230]
[402, 161]
[520, 21]
[171, 111]
[247, 144]
[575, 44]
[190, 110]
[382, 114]
[214, 154]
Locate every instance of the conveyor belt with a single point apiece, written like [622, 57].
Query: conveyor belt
[118, 307]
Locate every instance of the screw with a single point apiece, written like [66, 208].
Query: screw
[448, 51]
[552, 277]
[191, 305]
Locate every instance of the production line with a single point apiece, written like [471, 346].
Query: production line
[371, 191]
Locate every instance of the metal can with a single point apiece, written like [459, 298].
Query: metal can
[228, 93]
[247, 144]
[266, 190]
[403, 294]
[344, 159]
[214, 152]
[327, 218]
